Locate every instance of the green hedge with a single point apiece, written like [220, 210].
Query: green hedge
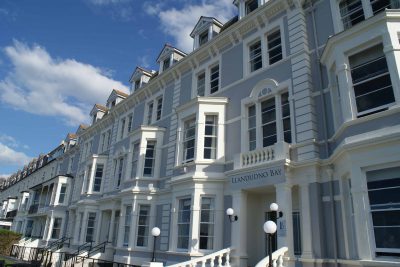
[7, 239]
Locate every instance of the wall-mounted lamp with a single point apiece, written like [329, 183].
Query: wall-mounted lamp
[275, 207]
[230, 213]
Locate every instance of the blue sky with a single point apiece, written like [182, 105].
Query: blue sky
[59, 58]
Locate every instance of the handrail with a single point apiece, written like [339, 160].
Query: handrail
[57, 243]
[219, 254]
[277, 258]
[83, 246]
[98, 247]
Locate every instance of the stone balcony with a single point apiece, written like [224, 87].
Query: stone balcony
[278, 151]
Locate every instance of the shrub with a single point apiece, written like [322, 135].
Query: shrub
[7, 239]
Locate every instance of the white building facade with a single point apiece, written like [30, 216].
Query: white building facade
[291, 102]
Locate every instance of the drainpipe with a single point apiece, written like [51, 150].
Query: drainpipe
[325, 132]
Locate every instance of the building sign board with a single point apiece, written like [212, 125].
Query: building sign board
[259, 177]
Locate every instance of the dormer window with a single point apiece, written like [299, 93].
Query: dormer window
[166, 63]
[113, 103]
[169, 55]
[205, 29]
[137, 84]
[251, 6]
[203, 38]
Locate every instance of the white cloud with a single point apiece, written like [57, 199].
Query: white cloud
[178, 23]
[107, 2]
[9, 140]
[9, 156]
[65, 88]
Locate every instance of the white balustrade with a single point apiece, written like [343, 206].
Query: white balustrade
[277, 151]
[278, 258]
[211, 259]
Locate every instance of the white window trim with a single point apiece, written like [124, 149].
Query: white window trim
[206, 69]
[251, 39]
[141, 136]
[272, 90]
[153, 99]
[199, 108]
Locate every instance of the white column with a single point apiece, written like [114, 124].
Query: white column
[195, 221]
[91, 176]
[392, 53]
[360, 201]
[239, 228]
[111, 229]
[98, 226]
[285, 224]
[305, 215]
[47, 228]
[84, 226]
[345, 88]
[76, 226]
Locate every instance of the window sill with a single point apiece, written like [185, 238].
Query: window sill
[392, 110]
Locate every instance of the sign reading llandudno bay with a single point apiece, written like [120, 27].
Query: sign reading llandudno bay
[258, 177]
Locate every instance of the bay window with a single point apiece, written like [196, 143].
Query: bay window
[98, 177]
[135, 158]
[210, 137]
[149, 159]
[207, 218]
[189, 139]
[90, 226]
[143, 226]
[372, 86]
[61, 196]
[55, 233]
[127, 225]
[384, 199]
[184, 214]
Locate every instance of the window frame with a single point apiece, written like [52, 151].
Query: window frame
[146, 226]
[257, 58]
[57, 229]
[127, 226]
[352, 84]
[185, 140]
[264, 90]
[213, 215]
[153, 158]
[182, 223]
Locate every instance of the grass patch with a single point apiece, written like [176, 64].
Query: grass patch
[7, 261]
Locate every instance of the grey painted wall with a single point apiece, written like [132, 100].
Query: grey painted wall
[232, 65]
[186, 88]
[138, 116]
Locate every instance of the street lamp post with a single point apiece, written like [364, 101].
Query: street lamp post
[269, 229]
[155, 232]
